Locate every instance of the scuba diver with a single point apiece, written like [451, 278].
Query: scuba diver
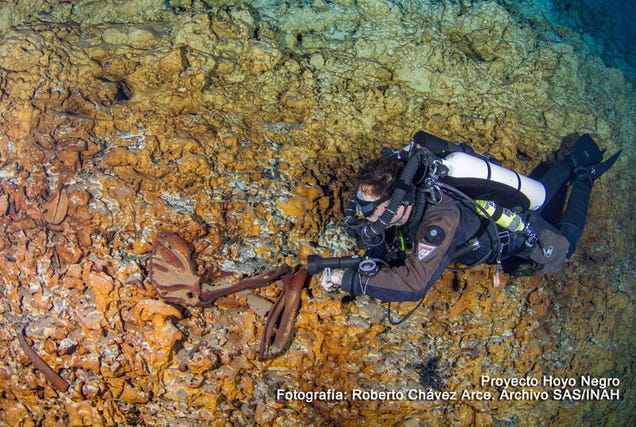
[436, 203]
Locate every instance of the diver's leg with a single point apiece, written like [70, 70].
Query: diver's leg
[584, 153]
[555, 177]
[575, 214]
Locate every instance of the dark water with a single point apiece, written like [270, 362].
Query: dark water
[607, 28]
[611, 25]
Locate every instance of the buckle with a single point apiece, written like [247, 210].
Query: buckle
[503, 237]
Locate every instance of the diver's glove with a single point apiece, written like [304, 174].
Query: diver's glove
[331, 279]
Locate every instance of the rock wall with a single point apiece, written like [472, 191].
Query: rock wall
[239, 125]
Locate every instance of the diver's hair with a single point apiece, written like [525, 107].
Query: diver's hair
[381, 175]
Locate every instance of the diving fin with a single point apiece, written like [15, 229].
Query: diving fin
[595, 171]
[585, 152]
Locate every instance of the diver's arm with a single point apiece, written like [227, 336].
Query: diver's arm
[422, 268]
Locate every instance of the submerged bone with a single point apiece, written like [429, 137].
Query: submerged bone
[56, 380]
[280, 323]
[171, 270]
[259, 305]
[56, 208]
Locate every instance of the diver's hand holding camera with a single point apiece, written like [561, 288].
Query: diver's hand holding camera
[331, 280]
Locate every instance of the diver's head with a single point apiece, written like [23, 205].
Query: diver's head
[376, 182]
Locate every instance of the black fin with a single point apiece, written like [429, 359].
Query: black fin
[595, 171]
[585, 152]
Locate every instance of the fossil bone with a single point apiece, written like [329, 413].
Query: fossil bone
[172, 275]
[171, 270]
[280, 322]
[57, 381]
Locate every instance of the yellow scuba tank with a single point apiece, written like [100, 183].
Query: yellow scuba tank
[503, 217]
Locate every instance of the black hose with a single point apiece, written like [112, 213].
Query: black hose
[371, 231]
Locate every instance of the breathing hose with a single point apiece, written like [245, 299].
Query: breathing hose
[370, 232]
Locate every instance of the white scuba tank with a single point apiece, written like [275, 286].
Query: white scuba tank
[464, 167]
